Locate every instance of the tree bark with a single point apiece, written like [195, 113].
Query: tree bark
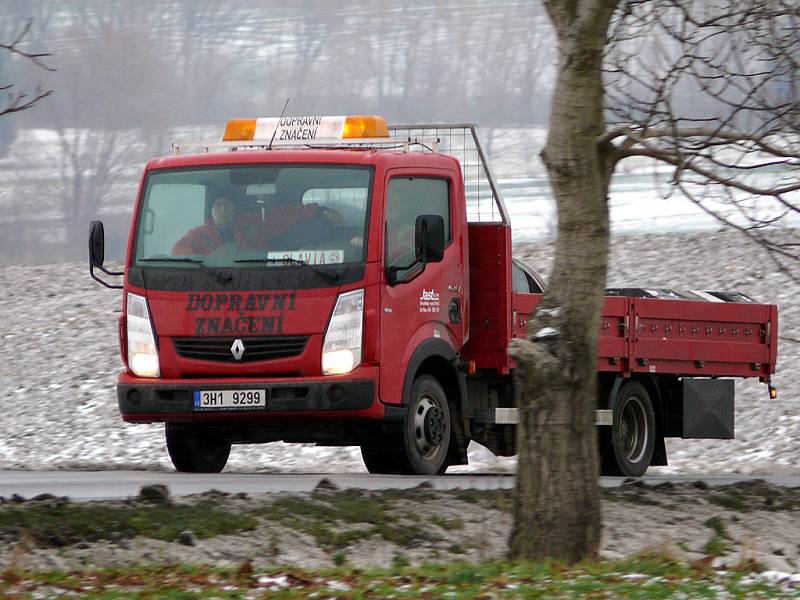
[557, 505]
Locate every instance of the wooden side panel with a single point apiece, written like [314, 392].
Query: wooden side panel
[702, 338]
[489, 296]
[612, 344]
[523, 306]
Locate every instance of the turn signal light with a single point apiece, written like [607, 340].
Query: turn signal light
[773, 392]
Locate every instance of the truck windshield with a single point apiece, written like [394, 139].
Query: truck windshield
[247, 216]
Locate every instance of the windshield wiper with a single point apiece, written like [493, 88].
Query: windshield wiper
[220, 276]
[293, 261]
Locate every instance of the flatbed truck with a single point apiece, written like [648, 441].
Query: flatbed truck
[337, 281]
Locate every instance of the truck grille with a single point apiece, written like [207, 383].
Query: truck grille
[255, 348]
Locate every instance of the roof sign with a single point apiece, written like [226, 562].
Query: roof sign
[306, 128]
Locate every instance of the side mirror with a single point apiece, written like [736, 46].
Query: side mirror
[97, 254]
[429, 238]
[97, 243]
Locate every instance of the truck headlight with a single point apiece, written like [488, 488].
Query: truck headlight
[142, 351]
[341, 351]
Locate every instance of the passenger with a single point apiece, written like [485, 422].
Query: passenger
[283, 215]
[401, 235]
[224, 227]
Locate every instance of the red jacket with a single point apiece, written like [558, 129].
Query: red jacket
[207, 237]
[248, 230]
[281, 219]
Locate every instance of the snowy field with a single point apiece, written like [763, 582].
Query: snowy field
[59, 359]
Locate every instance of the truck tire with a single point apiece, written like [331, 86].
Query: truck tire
[385, 460]
[427, 429]
[195, 448]
[626, 447]
[421, 445]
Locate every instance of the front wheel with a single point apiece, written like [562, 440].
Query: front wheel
[427, 428]
[196, 448]
[627, 448]
[421, 445]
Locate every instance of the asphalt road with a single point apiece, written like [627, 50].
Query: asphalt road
[98, 485]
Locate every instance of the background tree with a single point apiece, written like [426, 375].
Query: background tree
[16, 100]
[711, 89]
[708, 88]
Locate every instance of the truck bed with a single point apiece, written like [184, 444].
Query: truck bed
[688, 337]
[693, 338]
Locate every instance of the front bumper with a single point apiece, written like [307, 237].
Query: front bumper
[146, 400]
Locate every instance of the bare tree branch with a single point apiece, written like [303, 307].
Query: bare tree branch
[35, 57]
[17, 102]
[712, 89]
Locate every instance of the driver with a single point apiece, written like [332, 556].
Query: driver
[224, 227]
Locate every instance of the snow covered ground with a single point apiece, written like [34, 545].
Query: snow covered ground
[59, 359]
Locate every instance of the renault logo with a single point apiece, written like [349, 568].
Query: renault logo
[237, 349]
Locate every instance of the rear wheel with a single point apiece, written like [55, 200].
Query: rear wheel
[196, 448]
[627, 446]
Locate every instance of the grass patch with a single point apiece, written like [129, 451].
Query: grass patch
[338, 520]
[748, 496]
[731, 502]
[447, 524]
[51, 525]
[645, 576]
[718, 544]
[717, 525]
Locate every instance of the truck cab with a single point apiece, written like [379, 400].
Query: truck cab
[300, 294]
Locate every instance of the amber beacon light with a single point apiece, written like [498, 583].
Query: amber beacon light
[292, 129]
[239, 129]
[363, 126]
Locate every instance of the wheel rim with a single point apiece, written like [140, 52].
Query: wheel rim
[633, 430]
[429, 427]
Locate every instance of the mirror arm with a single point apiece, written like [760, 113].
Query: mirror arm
[96, 278]
[114, 273]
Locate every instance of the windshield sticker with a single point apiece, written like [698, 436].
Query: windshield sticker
[244, 305]
[429, 301]
[312, 257]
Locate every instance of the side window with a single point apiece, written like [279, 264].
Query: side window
[522, 280]
[409, 197]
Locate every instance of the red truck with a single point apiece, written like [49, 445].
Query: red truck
[337, 281]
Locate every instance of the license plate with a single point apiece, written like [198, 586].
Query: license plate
[229, 399]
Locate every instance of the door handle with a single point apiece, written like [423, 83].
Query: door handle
[454, 310]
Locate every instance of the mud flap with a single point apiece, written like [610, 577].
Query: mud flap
[708, 409]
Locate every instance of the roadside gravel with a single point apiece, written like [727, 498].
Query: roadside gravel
[59, 358]
[723, 527]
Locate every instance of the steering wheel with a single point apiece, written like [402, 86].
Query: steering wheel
[312, 232]
[223, 254]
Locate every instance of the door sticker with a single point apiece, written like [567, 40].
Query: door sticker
[429, 301]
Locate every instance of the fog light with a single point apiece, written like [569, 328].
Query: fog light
[336, 393]
[134, 397]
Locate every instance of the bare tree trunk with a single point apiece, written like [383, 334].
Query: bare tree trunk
[557, 506]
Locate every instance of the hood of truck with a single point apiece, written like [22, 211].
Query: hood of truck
[279, 332]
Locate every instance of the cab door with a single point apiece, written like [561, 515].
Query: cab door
[426, 303]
